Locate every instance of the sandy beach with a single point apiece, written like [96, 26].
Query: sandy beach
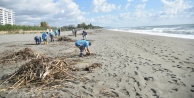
[133, 66]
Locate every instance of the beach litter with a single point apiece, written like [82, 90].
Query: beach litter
[15, 57]
[64, 38]
[42, 70]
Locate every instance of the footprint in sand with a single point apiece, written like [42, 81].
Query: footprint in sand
[136, 67]
[138, 95]
[192, 69]
[175, 89]
[126, 92]
[148, 78]
[192, 90]
[178, 66]
[154, 93]
[136, 73]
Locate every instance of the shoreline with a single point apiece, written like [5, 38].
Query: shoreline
[133, 65]
[183, 36]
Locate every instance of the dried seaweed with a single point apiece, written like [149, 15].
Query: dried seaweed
[41, 70]
[24, 54]
[92, 66]
[64, 38]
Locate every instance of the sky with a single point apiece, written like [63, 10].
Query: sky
[105, 13]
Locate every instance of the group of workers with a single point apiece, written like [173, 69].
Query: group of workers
[45, 35]
[82, 44]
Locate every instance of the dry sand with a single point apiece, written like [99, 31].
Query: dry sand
[133, 66]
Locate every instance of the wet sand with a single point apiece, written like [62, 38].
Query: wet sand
[133, 66]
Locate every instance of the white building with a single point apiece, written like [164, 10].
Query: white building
[7, 16]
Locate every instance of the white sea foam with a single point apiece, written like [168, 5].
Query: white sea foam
[178, 31]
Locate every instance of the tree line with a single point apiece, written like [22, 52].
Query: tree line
[44, 26]
[9, 27]
[80, 26]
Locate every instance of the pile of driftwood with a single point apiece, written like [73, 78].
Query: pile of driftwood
[41, 70]
[64, 38]
[15, 57]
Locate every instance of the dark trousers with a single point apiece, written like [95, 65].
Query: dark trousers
[81, 50]
[75, 34]
[52, 38]
[37, 41]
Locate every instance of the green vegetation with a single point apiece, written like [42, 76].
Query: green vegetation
[80, 26]
[9, 27]
[44, 26]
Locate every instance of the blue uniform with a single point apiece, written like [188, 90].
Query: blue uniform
[82, 44]
[84, 33]
[44, 36]
[51, 36]
[56, 32]
[37, 39]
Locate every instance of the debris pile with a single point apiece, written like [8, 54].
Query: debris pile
[64, 38]
[41, 70]
[24, 54]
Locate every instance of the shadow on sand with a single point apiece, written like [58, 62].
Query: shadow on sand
[31, 44]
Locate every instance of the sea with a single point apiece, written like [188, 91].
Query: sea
[179, 31]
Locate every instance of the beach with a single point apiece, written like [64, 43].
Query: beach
[133, 66]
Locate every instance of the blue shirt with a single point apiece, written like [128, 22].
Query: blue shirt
[56, 32]
[51, 34]
[37, 38]
[84, 43]
[44, 36]
[84, 33]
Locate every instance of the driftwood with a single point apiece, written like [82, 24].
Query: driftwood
[25, 54]
[41, 70]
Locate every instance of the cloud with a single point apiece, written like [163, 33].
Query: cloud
[144, 0]
[175, 7]
[67, 12]
[128, 4]
[119, 7]
[143, 16]
[125, 15]
[102, 6]
[140, 11]
[30, 12]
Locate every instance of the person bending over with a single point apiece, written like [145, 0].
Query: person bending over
[83, 45]
[37, 40]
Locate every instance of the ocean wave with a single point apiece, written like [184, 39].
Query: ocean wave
[180, 31]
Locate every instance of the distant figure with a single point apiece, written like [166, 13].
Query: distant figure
[56, 33]
[51, 36]
[75, 32]
[59, 31]
[44, 38]
[83, 45]
[84, 34]
[37, 40]
[72, 31]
